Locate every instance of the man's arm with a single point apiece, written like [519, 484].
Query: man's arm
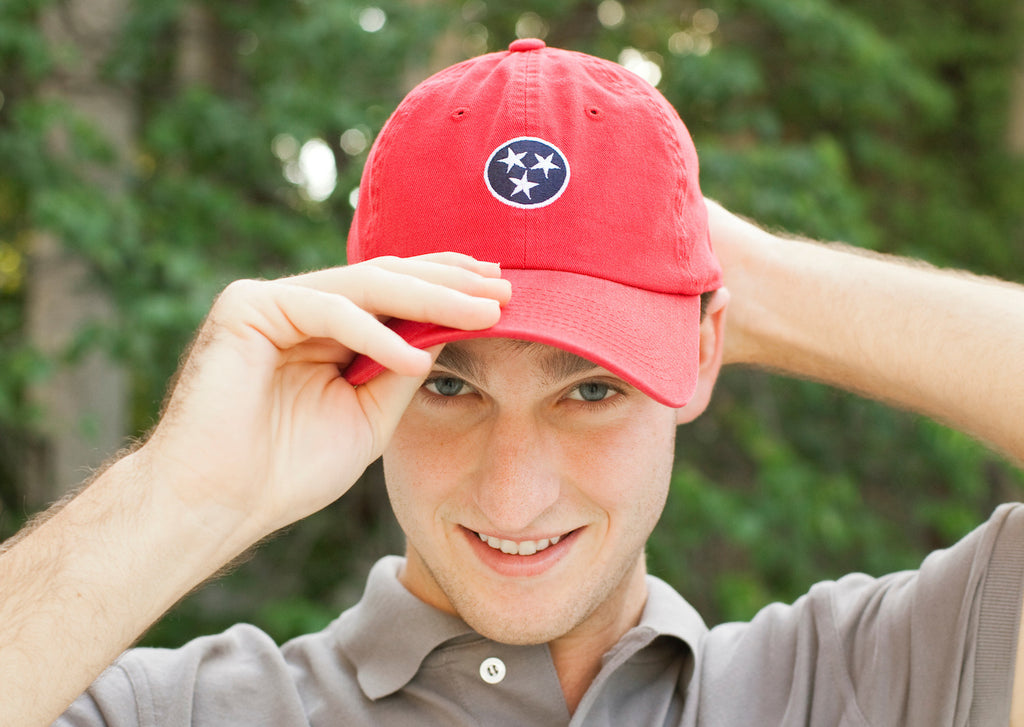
[946, 344]
[942, 343]
[260, 430]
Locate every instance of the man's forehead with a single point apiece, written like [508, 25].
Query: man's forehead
[471, 358]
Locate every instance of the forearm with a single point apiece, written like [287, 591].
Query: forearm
[84, 585]
[945, 344]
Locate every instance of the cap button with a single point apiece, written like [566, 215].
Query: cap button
[524, 44]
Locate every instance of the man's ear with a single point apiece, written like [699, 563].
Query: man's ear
[712, 329]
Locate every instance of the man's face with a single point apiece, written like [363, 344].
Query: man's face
[560, 464]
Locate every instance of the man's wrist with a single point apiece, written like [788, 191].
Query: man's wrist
[89, 580]
[199, 532]
[749, 259]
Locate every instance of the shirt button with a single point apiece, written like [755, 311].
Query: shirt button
[492, 670]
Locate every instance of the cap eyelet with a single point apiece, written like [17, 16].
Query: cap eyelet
[594, 112]
[459, 113]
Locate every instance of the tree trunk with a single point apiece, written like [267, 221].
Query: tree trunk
[83, 403]
[1016, 126]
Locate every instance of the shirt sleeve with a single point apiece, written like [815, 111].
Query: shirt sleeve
[109, 702]
[923, 648]
[237, 677]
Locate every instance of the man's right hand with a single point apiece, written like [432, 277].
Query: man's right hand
[260, 430]
[262, 420]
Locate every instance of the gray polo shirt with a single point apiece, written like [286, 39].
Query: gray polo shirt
[928, 647]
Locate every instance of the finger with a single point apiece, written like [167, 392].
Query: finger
[384, 293]
[288, 316]
[397, 295]
[435, 268]
[457, 259]
[319, 351]
[353, 281]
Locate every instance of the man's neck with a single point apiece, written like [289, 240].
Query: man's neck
[577, 656]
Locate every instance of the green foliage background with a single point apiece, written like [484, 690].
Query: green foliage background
[882, 124]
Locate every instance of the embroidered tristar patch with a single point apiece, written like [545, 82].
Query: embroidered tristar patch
[527, 172]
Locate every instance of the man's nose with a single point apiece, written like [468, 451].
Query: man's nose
[518, 477]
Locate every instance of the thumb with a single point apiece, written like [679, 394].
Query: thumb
[385, 398]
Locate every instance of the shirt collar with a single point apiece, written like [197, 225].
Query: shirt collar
[389, 633]
[666, 613]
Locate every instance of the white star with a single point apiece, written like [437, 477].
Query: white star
[544, 163]
[513, 160]
[523, 185]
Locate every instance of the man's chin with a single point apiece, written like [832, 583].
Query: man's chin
[516, 631]
[524, 618]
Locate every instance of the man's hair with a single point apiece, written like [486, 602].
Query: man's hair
[704, 299]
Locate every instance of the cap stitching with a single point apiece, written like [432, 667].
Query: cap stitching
[663, 113]
[528, 64]
[666, 118]
[370, 197]
[600, 67]
[666, 124]
[614, 327]
[384, 142]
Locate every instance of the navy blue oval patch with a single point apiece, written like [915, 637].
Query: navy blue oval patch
[527, 172]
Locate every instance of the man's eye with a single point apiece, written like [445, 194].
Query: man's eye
[592, 391]
[447, 386]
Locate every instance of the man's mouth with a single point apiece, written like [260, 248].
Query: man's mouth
[518, 547]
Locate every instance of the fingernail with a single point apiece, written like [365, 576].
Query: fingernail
[498, 285]
[506, 291]
[492, 304]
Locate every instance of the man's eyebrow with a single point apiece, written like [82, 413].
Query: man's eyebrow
[460, 363]
[555, 364]
[558, 365]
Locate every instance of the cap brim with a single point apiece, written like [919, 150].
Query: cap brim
[649, 339]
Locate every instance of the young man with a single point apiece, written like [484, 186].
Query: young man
[527, 450]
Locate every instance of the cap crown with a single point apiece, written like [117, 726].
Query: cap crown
[628, 207]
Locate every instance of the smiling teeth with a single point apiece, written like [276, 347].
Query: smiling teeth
[525, 547]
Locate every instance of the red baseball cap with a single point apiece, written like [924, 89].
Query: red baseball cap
[580, 179]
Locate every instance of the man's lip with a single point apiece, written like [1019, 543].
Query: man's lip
[520, 546]
[521, 566]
